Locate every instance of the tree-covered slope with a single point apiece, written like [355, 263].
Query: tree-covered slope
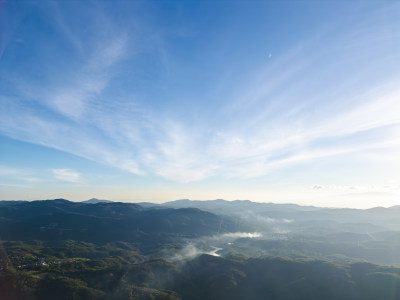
[103, 222]
[205, 277]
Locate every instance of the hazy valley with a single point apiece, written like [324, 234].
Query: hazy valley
[197, 250]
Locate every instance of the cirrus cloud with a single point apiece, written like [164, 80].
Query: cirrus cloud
[66, 175]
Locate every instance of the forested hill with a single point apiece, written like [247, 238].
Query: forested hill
[61, 219]
[58, 249]
[203, 278]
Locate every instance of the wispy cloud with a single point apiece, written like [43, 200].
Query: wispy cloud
[66, 175]
[11, 171]
[292, 109]
[12, 174]
[356, 189]
[139, 143]
[74, 99]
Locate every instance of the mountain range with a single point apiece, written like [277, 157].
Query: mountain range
[99, 249]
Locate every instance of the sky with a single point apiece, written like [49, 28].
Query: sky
[270, 101]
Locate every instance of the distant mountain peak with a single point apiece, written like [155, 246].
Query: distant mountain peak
[95, 200]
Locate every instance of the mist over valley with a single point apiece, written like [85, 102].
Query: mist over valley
[196, 250]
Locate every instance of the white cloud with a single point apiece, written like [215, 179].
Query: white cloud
[73, 98]
[6, 171]
[18, 174]
[66, 175]
[275, 122]
[131, 138]
[237, 235]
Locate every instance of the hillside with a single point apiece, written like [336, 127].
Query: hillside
[60, 219]
[205, 277]
[58, 249]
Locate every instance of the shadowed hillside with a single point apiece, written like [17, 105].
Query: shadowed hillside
[58, 249]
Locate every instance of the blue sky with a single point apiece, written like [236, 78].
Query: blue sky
[277, 101]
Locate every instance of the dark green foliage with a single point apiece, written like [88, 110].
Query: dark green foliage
[64, 250]
[17, 285]
[205, 277]
[210, 277]
[60, 287]
[53, 220]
